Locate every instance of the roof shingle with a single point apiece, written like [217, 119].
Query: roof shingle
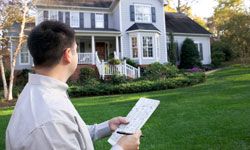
[81, 3]
[180, 23]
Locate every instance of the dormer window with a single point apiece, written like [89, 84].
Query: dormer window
[143, 13]
[99, 20]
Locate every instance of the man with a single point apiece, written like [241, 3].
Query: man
[44, 117]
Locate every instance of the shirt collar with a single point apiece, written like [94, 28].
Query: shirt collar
[47, 82]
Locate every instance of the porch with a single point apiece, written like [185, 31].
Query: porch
[97, 50]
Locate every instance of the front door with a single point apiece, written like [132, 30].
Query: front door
[101, 50]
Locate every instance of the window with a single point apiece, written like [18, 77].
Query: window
[99, 20]
[200, 49]
[53, 15]
[134, 47]
[74, 19]
[143, 13]
[24, 56]
[147, 46]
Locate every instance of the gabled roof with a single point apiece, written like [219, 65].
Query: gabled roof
[78, 3]
[142, 26]
[180, 23]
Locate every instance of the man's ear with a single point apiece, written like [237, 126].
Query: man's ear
[67, 55]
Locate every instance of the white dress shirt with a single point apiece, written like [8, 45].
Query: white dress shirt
[44, 119]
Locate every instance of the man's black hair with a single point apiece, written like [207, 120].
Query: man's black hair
[47, 42]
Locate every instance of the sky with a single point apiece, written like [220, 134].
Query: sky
[204, 8]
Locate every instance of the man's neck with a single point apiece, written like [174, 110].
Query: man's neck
[55, 73]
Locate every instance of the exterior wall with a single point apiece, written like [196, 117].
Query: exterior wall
[160, 24]
[20, 66]
[112, 16]
[115, 18]
[205, 40]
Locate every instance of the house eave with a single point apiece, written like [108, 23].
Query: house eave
[191, 34]
[74, 8]
[99, 33]
[152, 31]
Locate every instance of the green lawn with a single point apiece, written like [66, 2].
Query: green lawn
[212, 115]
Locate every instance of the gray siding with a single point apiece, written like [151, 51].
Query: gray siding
[116, 18]
[20, 66]
[160, 24]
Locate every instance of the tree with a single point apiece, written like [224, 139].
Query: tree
[11, 12]
[189, 55]
[224, 11]
[236, 31]
[172, 49]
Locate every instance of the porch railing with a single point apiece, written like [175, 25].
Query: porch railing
[105, 69]
[84, 58]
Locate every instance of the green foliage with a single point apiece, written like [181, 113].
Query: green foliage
[189, 55]
[114, 61]
[138, 86]
[157, 71]
[236, 32]
[117, 79]
[172, 49]
[22, 77]
[131, 62]
[86, 74]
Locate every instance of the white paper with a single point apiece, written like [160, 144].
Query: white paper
[137, 117]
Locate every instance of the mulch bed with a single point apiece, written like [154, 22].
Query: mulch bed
[6, 104]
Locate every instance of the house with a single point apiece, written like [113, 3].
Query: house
[133, 29]
[183, 27]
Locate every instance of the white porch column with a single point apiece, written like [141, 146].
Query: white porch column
[121, 42]
[117, 46]
[93, 49]
[139, 47]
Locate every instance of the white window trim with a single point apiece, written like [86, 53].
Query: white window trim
[198, 43]
[131, 47]
[103, 21]
[49, 17]
[71, 22]
[153, 46]
[20, 62]
[143, 5]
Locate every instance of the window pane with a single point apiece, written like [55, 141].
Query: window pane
[142, 13]
[74, 19]
[53, 15]
[99, 20]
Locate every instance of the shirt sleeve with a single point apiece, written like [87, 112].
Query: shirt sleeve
[98, 131]
[55, 135]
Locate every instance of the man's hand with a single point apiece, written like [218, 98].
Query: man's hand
[130, 142]
[115, 122]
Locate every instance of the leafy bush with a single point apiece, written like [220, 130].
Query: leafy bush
[114, 61]
[186, 79]
[157, 70]
[189, 55]
[22, 77]
[86, 74]
[131, 62]
[117, 79]
[220, 53]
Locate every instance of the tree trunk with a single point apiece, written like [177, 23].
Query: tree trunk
[5, 86]
[20, 42]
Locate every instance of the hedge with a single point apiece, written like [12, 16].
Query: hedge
[187, 79]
